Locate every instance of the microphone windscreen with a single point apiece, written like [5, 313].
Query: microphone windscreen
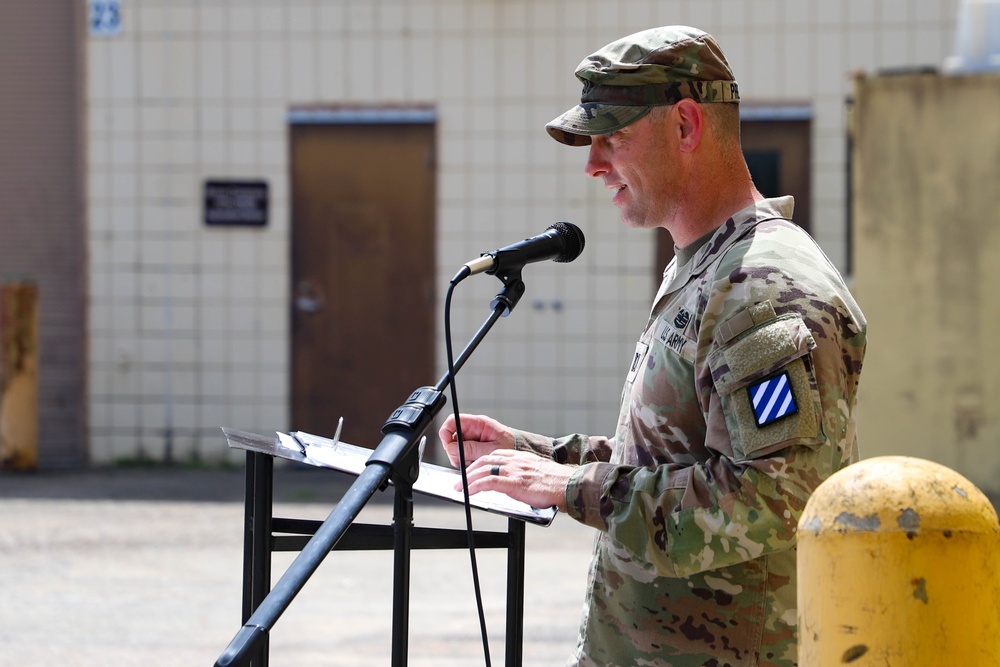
[573, 241]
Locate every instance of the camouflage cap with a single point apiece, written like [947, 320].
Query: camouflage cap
[624, 80]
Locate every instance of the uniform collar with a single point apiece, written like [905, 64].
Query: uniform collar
[677, 275]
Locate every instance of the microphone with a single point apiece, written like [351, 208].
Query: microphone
[561, 242]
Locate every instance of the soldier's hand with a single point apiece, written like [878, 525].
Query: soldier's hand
[524, 476]
[481, 435]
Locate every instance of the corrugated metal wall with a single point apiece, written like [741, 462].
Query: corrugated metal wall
[41, 202]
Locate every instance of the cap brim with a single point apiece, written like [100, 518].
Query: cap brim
[579, 124]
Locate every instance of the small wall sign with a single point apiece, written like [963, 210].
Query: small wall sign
[241, 203]
[104, 17]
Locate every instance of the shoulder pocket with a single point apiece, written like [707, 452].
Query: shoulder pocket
[762, 371]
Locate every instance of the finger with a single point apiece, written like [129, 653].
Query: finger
[479, 470]
[447, 431]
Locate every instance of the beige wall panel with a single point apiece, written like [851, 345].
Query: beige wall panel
[927, 244]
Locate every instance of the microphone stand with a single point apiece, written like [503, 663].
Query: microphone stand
[396, 456]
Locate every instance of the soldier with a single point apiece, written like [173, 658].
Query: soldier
[740, 398]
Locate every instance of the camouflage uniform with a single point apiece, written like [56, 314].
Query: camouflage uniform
[740, 399]
[698, 494]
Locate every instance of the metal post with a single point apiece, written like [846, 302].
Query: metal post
[402, 524]
[515, 593]
[259, 506]
[897, 565]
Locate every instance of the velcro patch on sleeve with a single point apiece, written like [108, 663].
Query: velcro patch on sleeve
[772, 399]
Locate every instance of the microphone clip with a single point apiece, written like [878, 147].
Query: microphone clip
[511, 293]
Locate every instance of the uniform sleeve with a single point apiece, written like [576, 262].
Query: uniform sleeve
[572, 449]
[777, 392]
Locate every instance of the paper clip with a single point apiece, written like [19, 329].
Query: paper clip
[322, 442]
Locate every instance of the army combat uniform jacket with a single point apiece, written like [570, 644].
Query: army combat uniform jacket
[739, 401]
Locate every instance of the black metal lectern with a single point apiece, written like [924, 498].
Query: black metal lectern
[265, 534]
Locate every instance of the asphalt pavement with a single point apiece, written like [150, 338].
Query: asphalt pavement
[143, 566]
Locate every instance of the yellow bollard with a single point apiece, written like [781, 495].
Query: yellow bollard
[897, 566]
[18, 376]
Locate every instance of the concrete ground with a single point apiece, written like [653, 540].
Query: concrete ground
[143, 566]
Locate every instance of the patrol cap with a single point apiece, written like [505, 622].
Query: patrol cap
[623, 81]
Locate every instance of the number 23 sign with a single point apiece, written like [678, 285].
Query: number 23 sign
[105, 17]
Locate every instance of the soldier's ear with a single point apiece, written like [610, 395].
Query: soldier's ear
[690, 124]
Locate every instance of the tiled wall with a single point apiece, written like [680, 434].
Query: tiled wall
[189, 325]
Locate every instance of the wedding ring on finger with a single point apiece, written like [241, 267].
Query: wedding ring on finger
[495, 470]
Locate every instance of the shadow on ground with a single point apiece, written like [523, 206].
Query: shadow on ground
[292, 483]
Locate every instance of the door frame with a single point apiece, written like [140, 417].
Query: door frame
[366, 116]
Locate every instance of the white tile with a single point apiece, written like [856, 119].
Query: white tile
[215, 412]
[212, 19]
[932, 11]
[861, 49]
[241, 68]
[829, 184]
[212, 71]
[242, 286]
[764, 64]
[702, 14]
[153, 384]
[896, 11]
[212, 118]
[98, 66]
[829, 14]
[242, 119]
[451, 16]
[422, 67]
[213, 153]
[831, 67]
[273, 414]
[242, 158]
[301, 70]
[150, 22]
[796, 77]
[245, 416]
[215, 251]
[480, 20]
[734, 15]
[392, 82]
[183, 383]
[862, 12]
[934, 46]
[331, 18]
[179, 70]
[271, 69]
[331, 71]
[763, 15]
[271, 19]
[123, 185]
[241, 20]
[123, 71]
[361, 17]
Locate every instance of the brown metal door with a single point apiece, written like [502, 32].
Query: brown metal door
[363, 271]
[778, 155]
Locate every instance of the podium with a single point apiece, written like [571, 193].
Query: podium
[395, 460]
[265, 534]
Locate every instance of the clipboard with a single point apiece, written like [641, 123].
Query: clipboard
[433, 480]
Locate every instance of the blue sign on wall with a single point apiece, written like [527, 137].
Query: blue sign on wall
[104, 17]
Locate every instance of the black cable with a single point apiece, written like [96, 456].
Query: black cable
[461, 459]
